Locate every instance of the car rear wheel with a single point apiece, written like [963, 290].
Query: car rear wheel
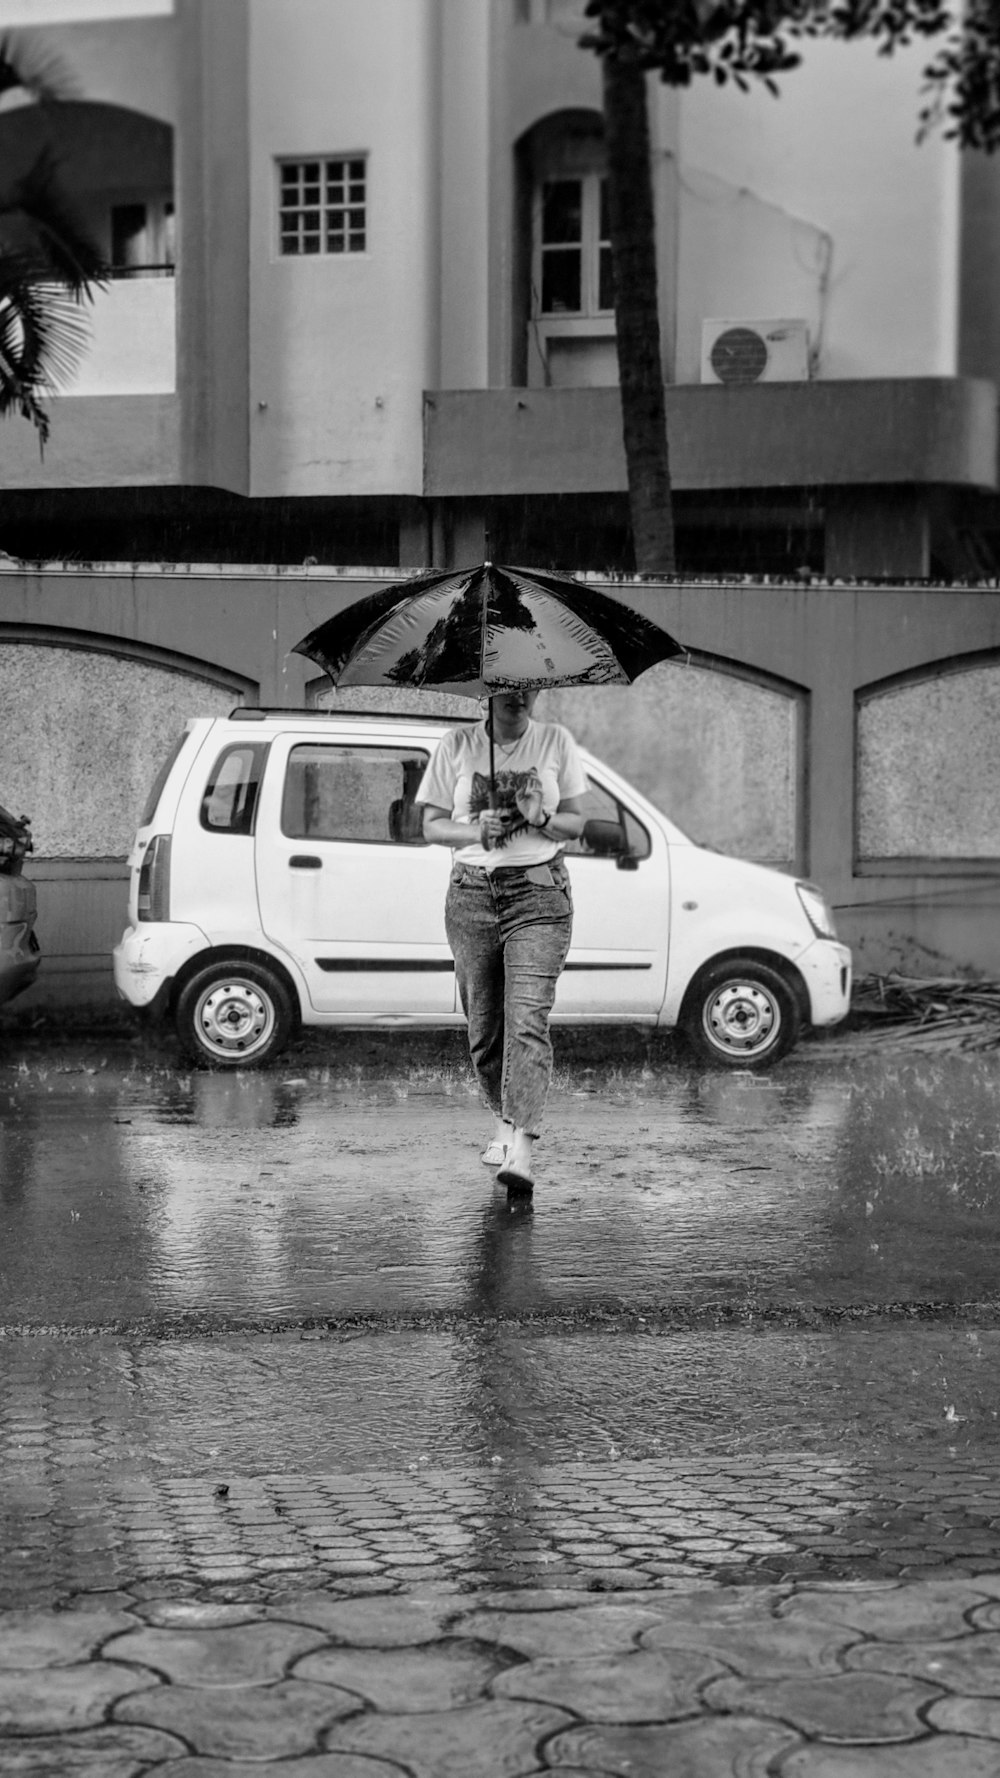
[741, 1014]
[233, 1015]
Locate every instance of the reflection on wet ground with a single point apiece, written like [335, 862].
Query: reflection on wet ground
[303, 1287]
[135, 1196]
[334, 1404]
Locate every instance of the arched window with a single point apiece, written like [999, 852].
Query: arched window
[571, 323]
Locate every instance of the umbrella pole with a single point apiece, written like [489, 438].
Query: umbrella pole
[493, 774]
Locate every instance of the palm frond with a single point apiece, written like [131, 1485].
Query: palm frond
[20, 389]
[26, 65]
[44, 334]
[48, 265]
[40, 231]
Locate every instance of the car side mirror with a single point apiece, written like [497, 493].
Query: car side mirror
[608, 839]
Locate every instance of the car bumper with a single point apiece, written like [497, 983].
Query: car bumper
[826, 971]
[16, 974]
[148, 957]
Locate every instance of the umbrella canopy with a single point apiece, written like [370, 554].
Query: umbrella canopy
[486, 629]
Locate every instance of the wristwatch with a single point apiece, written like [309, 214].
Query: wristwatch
[540, 826]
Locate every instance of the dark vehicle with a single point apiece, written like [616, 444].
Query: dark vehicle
[20, 954]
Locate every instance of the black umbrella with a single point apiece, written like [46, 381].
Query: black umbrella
[486, 629]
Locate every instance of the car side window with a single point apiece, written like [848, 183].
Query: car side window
[157, 786]
[610, 829]
[229, 803]
[353, 793]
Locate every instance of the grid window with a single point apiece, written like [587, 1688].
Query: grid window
[323, 205]
[574, 247]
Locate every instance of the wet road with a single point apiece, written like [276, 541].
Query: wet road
[767, 1306]
[133, 1196]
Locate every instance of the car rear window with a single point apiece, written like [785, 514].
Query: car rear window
[156, 788]
[229, 803]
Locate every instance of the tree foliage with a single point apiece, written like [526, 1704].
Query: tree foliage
[49, 267]
[748, 41]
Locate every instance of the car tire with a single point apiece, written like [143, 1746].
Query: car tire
[233, 1015]
[741, 1013]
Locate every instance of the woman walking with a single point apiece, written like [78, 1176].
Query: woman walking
[509, 911]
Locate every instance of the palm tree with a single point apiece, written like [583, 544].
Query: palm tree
[49, 267]
[637, 322]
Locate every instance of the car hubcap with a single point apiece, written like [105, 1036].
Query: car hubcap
[235, 1018]
[743, 1017]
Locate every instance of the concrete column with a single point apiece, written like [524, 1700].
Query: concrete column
[416, 540]
[878, 532]
[472, 299]
[213, 207]
[500, 248]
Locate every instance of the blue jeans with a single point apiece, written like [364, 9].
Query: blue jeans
[509, 932]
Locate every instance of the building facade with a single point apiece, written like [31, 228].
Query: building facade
[362, 311]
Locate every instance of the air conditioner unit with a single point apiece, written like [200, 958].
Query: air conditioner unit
[737, 351]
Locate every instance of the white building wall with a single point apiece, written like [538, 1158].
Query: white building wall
[342, 346]
[838, 150]
[131, 347]
[740, 257]
[466, 74]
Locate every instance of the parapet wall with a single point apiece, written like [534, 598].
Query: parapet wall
[848, 731]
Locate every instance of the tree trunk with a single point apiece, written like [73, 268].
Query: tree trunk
[640, 366]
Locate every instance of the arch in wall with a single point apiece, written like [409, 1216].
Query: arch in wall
[113, 163]
[88, 719]
[927, 768]
[718, 746]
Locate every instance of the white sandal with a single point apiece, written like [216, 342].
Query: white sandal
[494, 1154]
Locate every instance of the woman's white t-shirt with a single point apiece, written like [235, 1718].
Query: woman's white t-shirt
[458, 779]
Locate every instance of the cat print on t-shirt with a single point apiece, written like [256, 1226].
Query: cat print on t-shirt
[509, 785]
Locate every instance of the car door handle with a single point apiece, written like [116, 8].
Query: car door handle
[305, 861]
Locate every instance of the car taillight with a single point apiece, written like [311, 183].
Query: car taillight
[154, 880]
[815, 908]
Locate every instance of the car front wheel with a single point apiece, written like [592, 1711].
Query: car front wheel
[233, 1015]
[741, 1014]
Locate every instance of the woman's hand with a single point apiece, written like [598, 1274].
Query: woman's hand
[529, 799]
[493, 825]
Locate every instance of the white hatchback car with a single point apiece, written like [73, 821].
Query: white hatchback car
[280, 877]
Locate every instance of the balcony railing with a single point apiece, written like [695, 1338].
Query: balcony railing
[143, 271]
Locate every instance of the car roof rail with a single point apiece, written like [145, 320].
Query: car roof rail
[259, 713]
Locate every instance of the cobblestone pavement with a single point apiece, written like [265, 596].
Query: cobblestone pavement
[334, 1670]
[804, 1617]
[180, 1591]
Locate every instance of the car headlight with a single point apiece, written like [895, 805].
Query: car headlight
[816, 910]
